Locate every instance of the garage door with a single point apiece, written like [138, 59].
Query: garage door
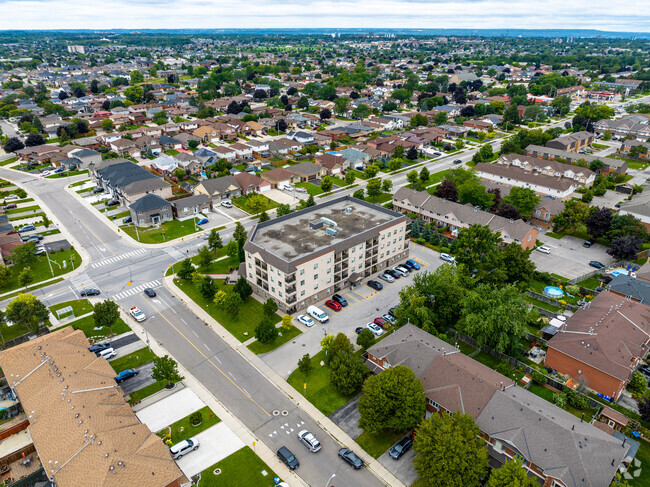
[264, 188]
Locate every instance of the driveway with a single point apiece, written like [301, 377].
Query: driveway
[403, 468]
[141, 380]
[609, 199]
[568, 258]
[170, 409]
[285, 197]
[215, 444]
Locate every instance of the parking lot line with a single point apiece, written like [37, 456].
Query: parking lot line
[422, 262]
[352, 297]
[362, 297]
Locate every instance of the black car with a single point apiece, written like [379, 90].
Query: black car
[392, 311]
[587, 244]
[149, 292]
[98, 347]
[289, 459]
[376, 285]
[350, 457]
[98, 189]
[596, 264]
[645, 369]
[113, 203]
[89, 292]
[392, 273]
[127, 219]
[359, 329]
[340, 299]
[457, 161]
[409, 266]
[401, 447]
[36, 236]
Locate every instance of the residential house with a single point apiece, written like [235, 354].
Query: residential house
[306, 171]
[87, 157]
[455, 217]
[637, 125]
[207, 134]
[572, 142]
[225, 152]
[601, 345]
[638, 206]
[250, 183]
[610, 166]
[643, 148]
[631, 288]
[219, 189]
[302, 137]
[356, 158]
[284, 146]
[192, 206]
[242, 151]
[478, 124]
[123, 147]
[165, 164]
[151, 210]
[129, 182]
[278, 176]
[169, 142]
[334, 164]
[185, 137]
[189, 162]
[545, 210]
[543, 185]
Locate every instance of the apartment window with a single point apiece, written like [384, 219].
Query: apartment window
[315, 297]
[250, 266]
[329, 260]
[302, 272]
[302, 293]
[250, 275]
[329, 279]
[315, 286]
[352, 269]
[329, 270]
[272, 289]
[272, 280]
[316, 266]
[315, 276]
[361, 247]
[434, 404]
[279, 273]
[352, 259]
[383, 237]
[394, 240]
[280, 293]
[353, 249]
[302, 283]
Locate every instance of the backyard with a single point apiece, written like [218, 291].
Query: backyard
[242, 202]
[79, 307]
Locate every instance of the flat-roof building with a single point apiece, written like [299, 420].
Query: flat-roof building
[301, 258]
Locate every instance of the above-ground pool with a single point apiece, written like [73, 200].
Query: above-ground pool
[553, 292]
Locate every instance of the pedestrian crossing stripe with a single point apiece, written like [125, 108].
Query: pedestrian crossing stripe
[137, 289]
[117, 258]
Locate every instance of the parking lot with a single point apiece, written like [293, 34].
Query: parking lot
[364, 305]
[568, 258]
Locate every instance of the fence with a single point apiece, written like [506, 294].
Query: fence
[623, 263]
[554, 302]
[44, 330]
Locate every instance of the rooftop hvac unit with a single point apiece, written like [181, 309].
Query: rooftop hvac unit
[328, 222]
[331, 231]
[315, 224]
[348, 209]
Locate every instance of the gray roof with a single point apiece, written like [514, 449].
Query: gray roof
[305, 168]
[219, 185]
[149, 202]
[197, 199]
[563, 446]
[85, 153]
[632, 287]
[122, 173]
[638, 205]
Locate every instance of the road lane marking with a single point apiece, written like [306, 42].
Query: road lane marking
[211, 362]
[195, 334]
[207, 348]
[232, 375]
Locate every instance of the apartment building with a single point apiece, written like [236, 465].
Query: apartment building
[572, 142]
[610, 166]
[306, 256]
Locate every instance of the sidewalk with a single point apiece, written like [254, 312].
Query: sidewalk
[323, 421]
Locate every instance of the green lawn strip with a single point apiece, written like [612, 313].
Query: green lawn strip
[243, 467]
[220, 266]
[11, 160]
[13, 331]
[79, 307]
[183, 429]
[32, 288]
[140, 394]
[258, 348]
[250, 313]
[382, 198]
[557, 276]
[319, 391]
[377, 445]
[87, 325]
[51, 232]
[66, 174]
[242, 203]
[87, 190]
[590, 283]
[642, 455]
[436, 177]
[358, 174]
[599, 146]
[312, 189]
[132, 360]
[466, 348]
[119, 216]
[173, 229]
[79, 183]
[22, 210]
[41, 270]
[554, 235]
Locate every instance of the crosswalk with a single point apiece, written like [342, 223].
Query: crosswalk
[137, 289]
[83, 281]
[117, 258]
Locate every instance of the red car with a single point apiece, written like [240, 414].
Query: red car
[333, 305]
[380, 322]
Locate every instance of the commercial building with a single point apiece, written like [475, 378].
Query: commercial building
[304, 257]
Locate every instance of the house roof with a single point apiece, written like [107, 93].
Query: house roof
[305, 169]
[629, 286]
[219, 185]
[558, 442]
[149, 202]
[120, 173]
[79, 419]
[247, 180]
[607, 335]
[277, 175]
[638, 205]
[330, 161]
[514, 174]
[194, 200]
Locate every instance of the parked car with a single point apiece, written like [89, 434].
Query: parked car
[375, 329]
[587, 244]
[202, 221]
[306, 320]
[645, 369]
[39, 250]
[596, 264]
[401, 447]
[46, 173]
[340, 299]
[137, 314]
[107, 353]
[226, 204]
[379, 321]
[318, 314]
[184, 447]
[12, 206]
[89, 292]
[98, 347]
[285, 186]
[437, 154]
[331, 304]
[411, 264]
[113, 203]
[392, 273]
[149, 292]
[309, 440]
[391, 311]
[13, 197]
[447, 258]
[59, 170]
[377, 286]
[27, 228]
[386, 277]
[126, 374]
[544, 250]
[300, 189]
[457, 161]
[403, 271]
[98, 189]
[349, 457]
[288, 458]
[390, 318]
[36, 236]
[359, 329]
[127, 219]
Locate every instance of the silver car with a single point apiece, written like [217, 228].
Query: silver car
[386, 277]
[309, 440]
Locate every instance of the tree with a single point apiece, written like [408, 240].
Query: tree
[347, 373]
[265, 331]
[283, 209]
[474, 192]
[27, 311]
[325, 114]
[389, 106]
[622, 225]
[105, 314]
[386, 185]
[269, 307]
[511, 474]
[440, 118]
[136, 77]
[506, 210]
[309, 201]
[5, 272]
[206, 287]
[644, 408]
[524, 199]
[286, 322]
[232, 249]
[511, 115]
[107, 125]
[599, 222]
[365, 339]
[326, 184]
[160, 118]
[25, 278]
[256, 203]
[338, 344]
[495, 317]
[304, 365]
[23, 254]
[34, 139]
[341, 104]
[450, 451]
[395, 164]
[243, 288]
[214, 240]
[477, 247]
[373, 188]
[574, 214]
[165, 368]
[424, 175]
[418, 120]
[239, 232]
[625, 248]
[205, 256]
[393, 399]
[361, 111]
[447, 190]
[638, 383]
[371, 171]
[412, 154]
[516, 263]
[350, 177]
[232, 303]
[412, 177]
[13, 144]
[399, 151]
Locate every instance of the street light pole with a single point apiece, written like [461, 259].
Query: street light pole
[330, 479]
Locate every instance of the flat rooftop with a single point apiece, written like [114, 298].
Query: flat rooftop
[292, 237]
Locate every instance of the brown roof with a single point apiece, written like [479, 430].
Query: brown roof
[513, 174]
[330, 161]
[84, 431]
[277, 175]
[608, 335]
[247, 180]
[620, 418]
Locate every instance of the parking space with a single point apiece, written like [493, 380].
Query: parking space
[285, 197]
[170, 409]
[215, 444]
[568, 257]
[233, 213]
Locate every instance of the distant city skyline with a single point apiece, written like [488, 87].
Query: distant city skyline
[633, 16]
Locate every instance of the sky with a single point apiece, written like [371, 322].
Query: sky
[609, 15]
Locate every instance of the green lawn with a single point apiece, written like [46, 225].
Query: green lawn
[220, 266]
[22, 210]
[140, 394]
[591, 283]
[541, 304]
[132, 360]
[87, 325]
[258, 348]
[173, 229]
[41, 269]
[382, 198]
[377, 445]
[248, 318]
[183, 429]
[243, 468]
[79, 183]
[319, 390]
[11, 160]
[311, 188]
[195, 260]
[242, 202]
[436, 177]
[546, 393]
[119, 216]
[79, 307]
[644, 456]
[66, 174]
[599, 146]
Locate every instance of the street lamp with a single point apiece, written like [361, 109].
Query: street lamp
[330, 479]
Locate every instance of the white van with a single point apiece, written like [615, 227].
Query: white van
[285, 186]
[318, 314]
[107, 353]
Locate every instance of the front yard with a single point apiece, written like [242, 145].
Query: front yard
[377, 445]
[183, 429]
[132, 360]
[79, 307]
[167, 231]
[87, 325]
[242, 203]
[287, 335]
[243, 467]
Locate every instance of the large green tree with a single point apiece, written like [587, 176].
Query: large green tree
[575, 214]
[165, 368]
[347, 373]
[105, 314]
[524, 199]
[516, 263]
[27, 311]
[511, 474]
[393, 400]
[450, 451]
[477, 247]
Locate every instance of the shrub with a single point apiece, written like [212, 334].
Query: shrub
[577, 401]
[539, 378]
[573, 290]
[560, 400]
[196, 418]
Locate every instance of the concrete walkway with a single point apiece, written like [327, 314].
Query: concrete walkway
[215, 444]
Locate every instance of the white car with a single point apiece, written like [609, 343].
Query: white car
[447, 258]
[375, 329]
[300, 189]
[45, 173]
[226, 204]
[137, 314]
[544, 250]
[309, 440]
[285, 187]
[386, 277]
[306, 320]
[184, 447]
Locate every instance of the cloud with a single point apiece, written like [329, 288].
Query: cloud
[371, 14]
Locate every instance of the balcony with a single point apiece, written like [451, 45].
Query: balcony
[291, 299]
[291, 289]
[337, 268]
[290, 279]
[344, 266]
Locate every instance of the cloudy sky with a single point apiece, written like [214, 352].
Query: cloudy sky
[613, 15]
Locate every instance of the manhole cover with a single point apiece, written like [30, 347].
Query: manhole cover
[216, 471]
[276, 412]
[285, 413]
